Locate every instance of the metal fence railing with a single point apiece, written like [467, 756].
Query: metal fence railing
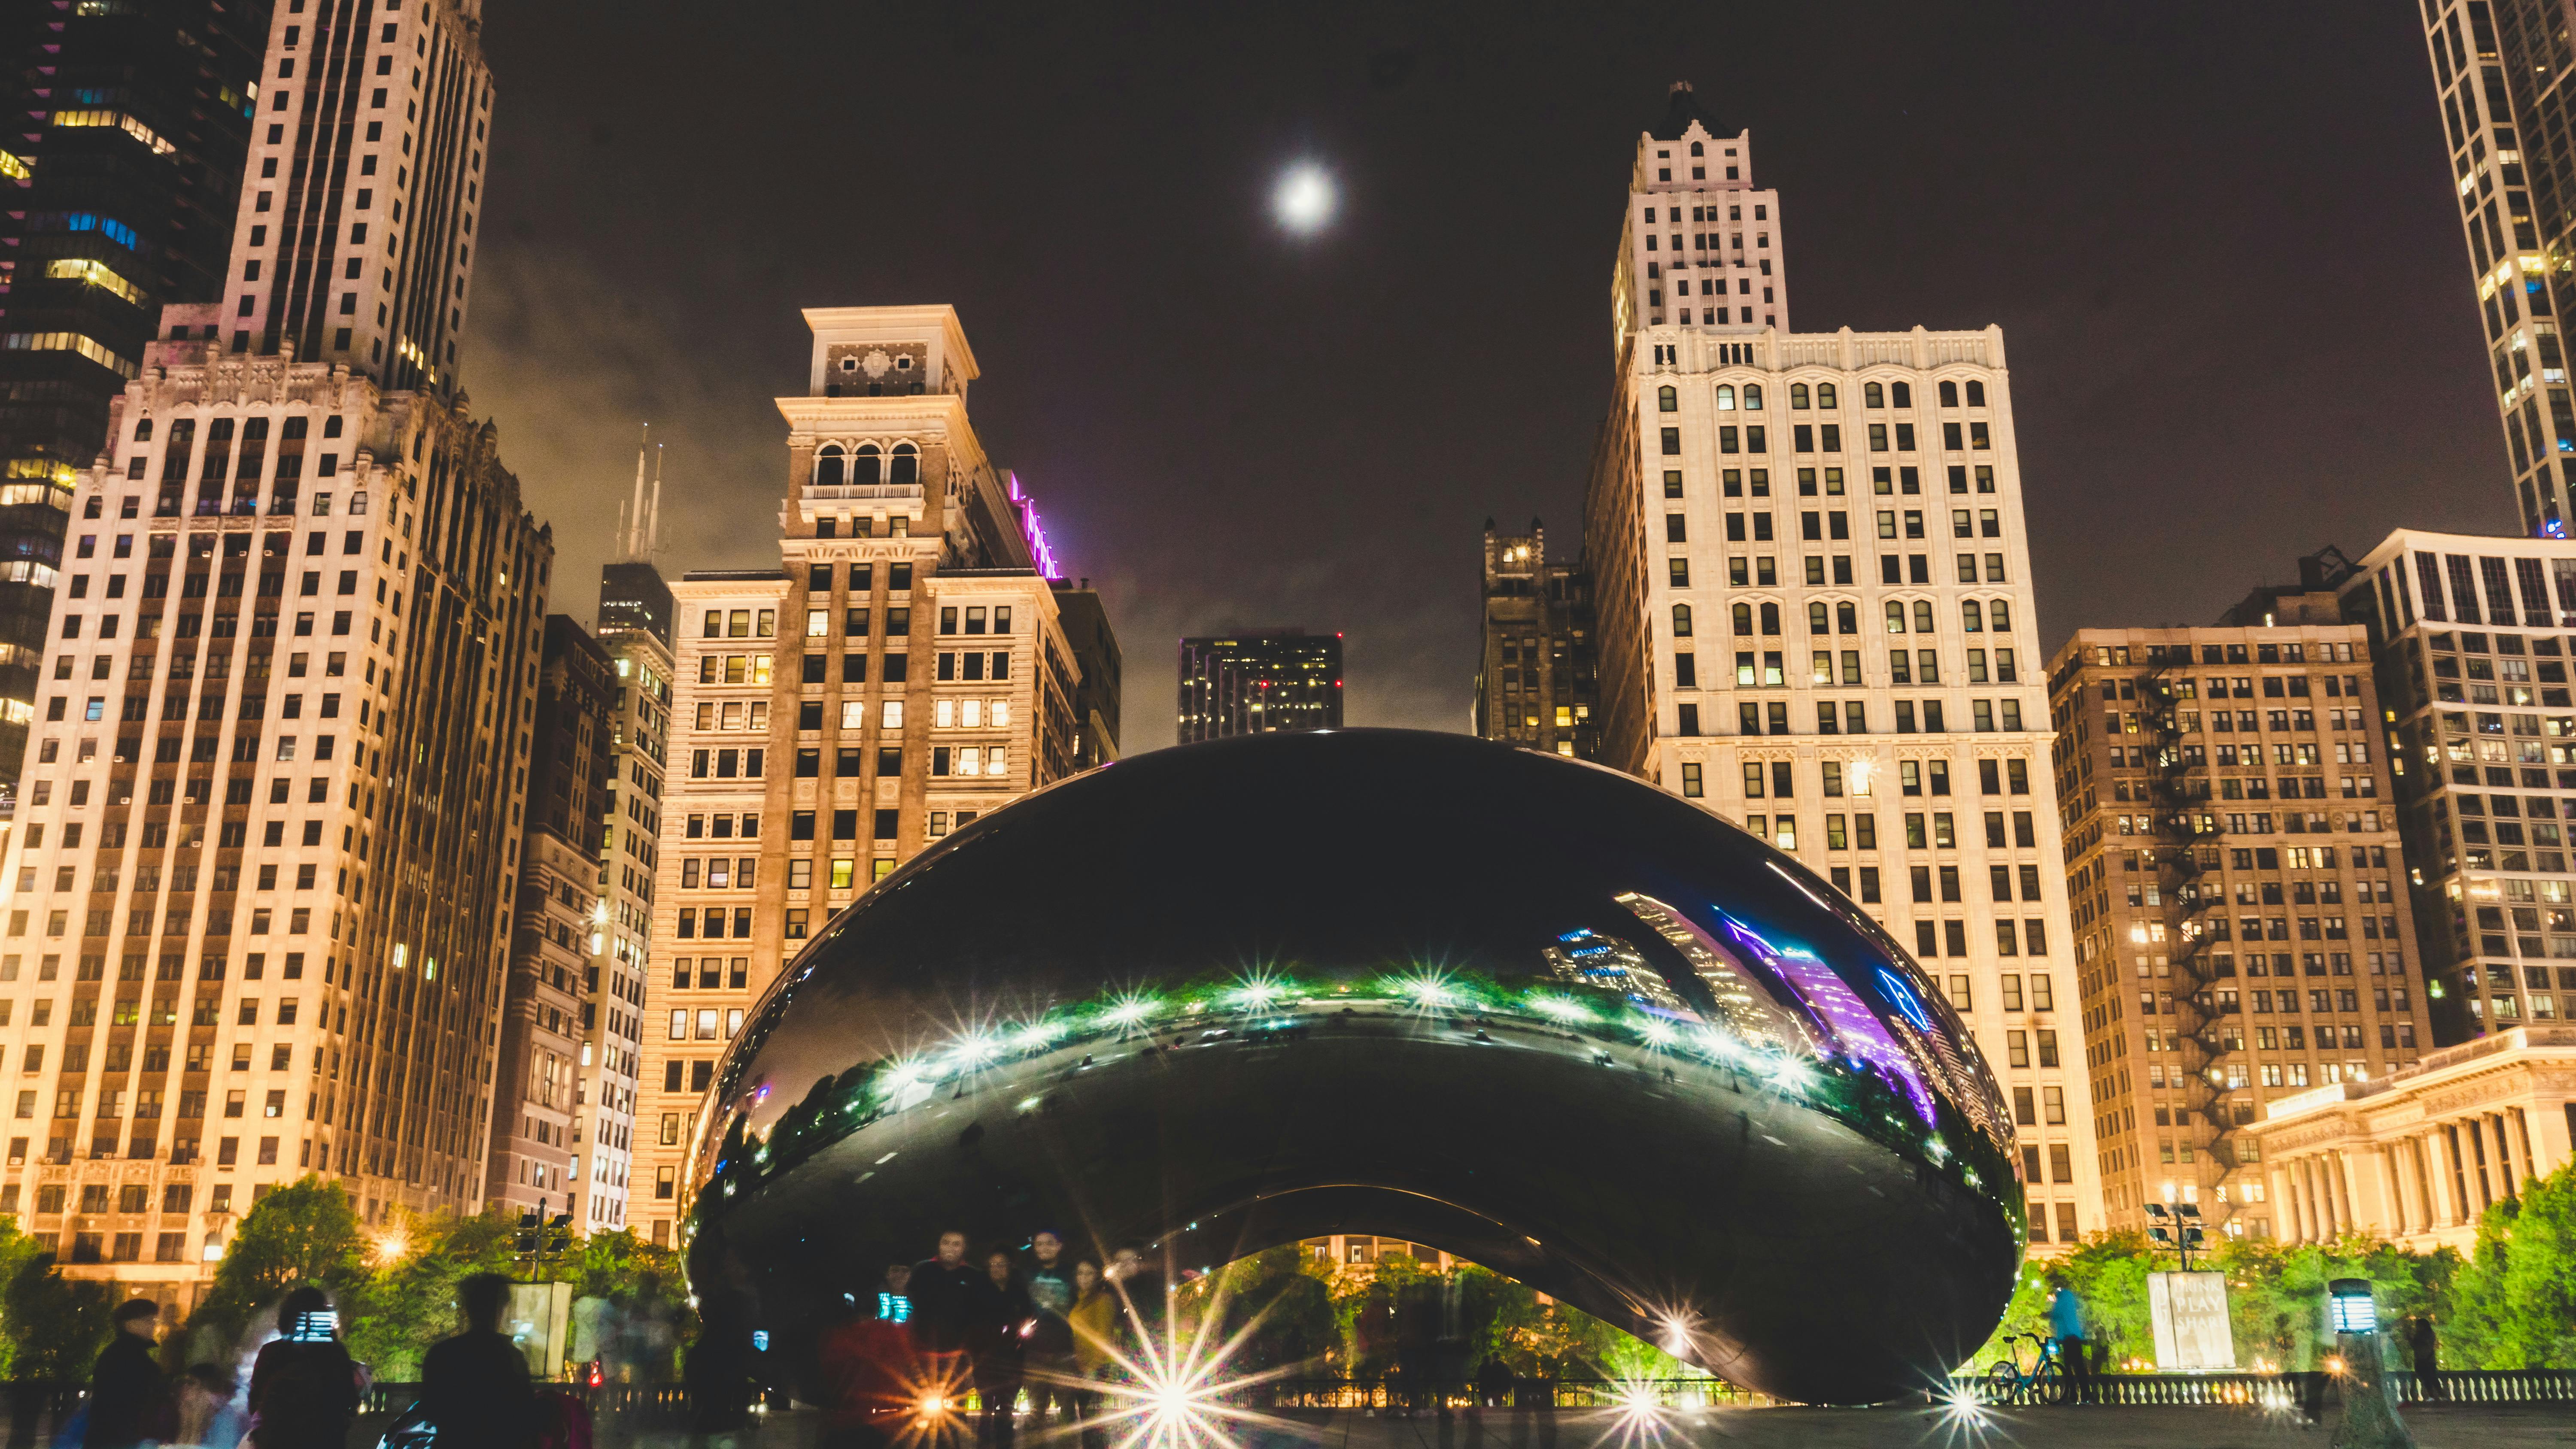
[2281, 1392]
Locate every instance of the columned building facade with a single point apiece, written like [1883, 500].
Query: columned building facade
[902, 673]
[1811, 572]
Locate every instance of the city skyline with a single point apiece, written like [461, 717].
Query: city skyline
[2130, 420]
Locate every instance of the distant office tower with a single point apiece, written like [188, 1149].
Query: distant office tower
[119, 177]
[2473, 663]
[263, 886]
[2231, 833]
[2496, 69]
[1537, 679]
[901, 674]
[1250, 684]
[1815, 615]
[561, 931]
[635, 609]
[1096, 666]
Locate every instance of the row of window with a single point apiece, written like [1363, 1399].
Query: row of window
[1852, 718]
[1739, 482]
[1755, 438]
[1873, 395]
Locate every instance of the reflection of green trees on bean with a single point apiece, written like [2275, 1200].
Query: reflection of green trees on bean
[2511, 1304]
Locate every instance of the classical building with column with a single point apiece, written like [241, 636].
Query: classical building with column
[2416, 1157]
[1811, 577]
[2233, 858]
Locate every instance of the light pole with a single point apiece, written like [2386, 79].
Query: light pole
[2370, 1419]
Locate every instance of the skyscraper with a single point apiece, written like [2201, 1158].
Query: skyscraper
[1538, 682]
[1096, 667]
[562, 929]
[2496, 68]
[1253, 683]
[811, 754]
[2231, 838]
[635, 609]
[262, 894]
[121, 179]
[1813, 585]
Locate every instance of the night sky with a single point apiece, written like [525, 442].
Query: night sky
[2218, 237]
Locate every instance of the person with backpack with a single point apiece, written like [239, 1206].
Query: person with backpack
[474, 1386]
[304, 1386]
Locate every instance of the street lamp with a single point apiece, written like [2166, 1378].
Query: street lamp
[2184, 1234]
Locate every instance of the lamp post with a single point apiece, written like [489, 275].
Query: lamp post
[2370, 1418]
[2184, 1235]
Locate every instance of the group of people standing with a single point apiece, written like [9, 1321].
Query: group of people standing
[1040, 1323]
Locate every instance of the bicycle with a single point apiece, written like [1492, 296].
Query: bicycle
[2043, 1383]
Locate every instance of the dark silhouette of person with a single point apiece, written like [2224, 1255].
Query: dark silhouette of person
[719, 1369]
[943, 1303]
[996, 1337]
[1494, 1382]
[1048, 1361]
[2425, 1344]
[303, 1385]
[474, 1386]
[128, 1402]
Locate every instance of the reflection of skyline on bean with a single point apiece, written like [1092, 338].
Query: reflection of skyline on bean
[1563, 1025]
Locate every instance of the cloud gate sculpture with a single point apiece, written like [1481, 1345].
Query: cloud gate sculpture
[1529, 1011]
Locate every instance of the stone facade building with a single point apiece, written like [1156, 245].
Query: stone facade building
[1812, 576]
[901, 674]
[2418, 1156]
[2241, 934]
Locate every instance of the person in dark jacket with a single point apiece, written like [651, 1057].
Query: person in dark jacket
[128, 1402]
[996, 1338]
[474, 1386]
[2424, 1344]
[720, 1366]
[943, 1296]
[1048, 1363]
[303, 1385]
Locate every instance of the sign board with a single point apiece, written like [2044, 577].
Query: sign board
[539, 1320]
[2190, 1313]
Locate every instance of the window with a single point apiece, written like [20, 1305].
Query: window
[1667, 400]
[1691, 781]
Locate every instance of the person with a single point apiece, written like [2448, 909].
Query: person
[2066, 1321]
[943, 1299]
[1093, 1320]
[1141, 1299]
[128, 1403]
[894, 1296]
[2426, 1346]
[719, 1368]
[996, 1336]
[303, 1385]
[474, 1386]
[870, 1379]
[1494, 1382]
[207, 1418]
[1048, 1361]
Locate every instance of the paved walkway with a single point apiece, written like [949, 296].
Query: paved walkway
[2447, 1427]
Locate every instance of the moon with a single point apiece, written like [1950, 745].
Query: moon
[1305, 199]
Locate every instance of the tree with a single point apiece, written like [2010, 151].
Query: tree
[56, 1326]
[409, 1301]
[304, 1232]
[2515, 1304]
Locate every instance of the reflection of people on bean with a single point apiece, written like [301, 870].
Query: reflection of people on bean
[997, 1335]
[1094, 1320]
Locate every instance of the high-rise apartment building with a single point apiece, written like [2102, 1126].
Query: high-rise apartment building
[2241, 931]
[120, 175]
[1812, 579]
[635, 611]
[1538, 681]
[258, 911]
[2496, 68]
[811, 755]
[562, 932]
[1250, 684]
[2472, 636]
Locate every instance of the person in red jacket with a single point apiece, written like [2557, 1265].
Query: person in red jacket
[873, 1380]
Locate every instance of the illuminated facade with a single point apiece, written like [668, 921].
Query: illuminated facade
[2496, 68]
[120, 170]
[1812, 578]
[2473, 636]
[1537, 680]
[1250, 684]
[903, 672]
[2417, 1157]
[260, 905]
[635, 610]
[2235, 867]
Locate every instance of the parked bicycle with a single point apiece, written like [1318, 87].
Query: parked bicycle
[2036, 1375]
